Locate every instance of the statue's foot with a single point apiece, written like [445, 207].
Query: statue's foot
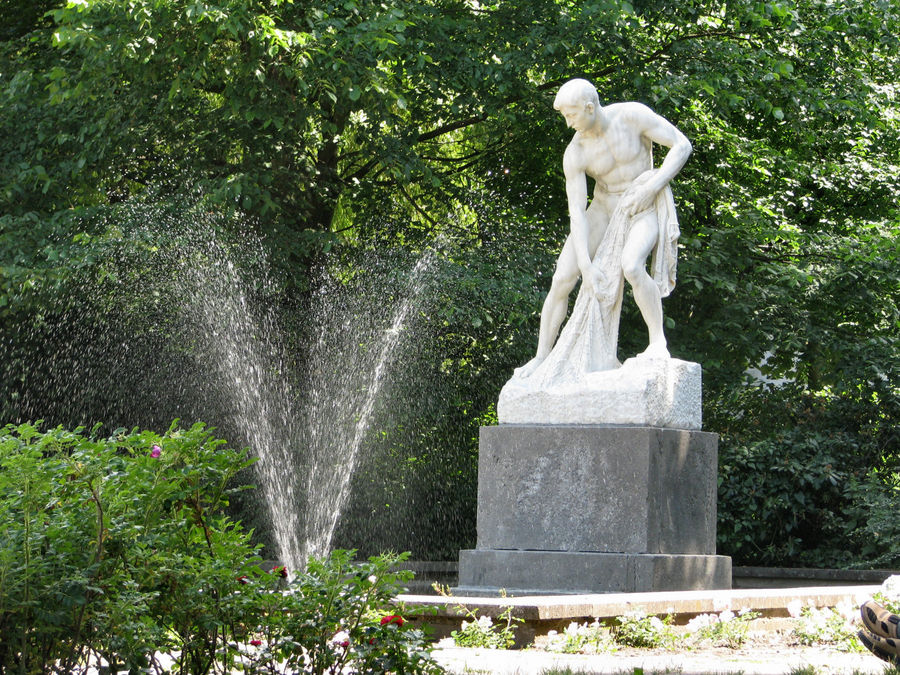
[656, 350]
[528, 368]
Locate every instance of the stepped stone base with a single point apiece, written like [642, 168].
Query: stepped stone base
[594, 509]
[487, 572]
[597, 488]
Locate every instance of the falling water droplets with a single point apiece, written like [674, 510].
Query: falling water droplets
[187, 325]
[335, 455]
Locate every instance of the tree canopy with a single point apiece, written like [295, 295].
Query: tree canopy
[360, 127]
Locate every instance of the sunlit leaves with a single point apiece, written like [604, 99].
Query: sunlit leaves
[387, 125]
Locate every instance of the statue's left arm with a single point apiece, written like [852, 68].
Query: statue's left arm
[658, 129]
[661, 131]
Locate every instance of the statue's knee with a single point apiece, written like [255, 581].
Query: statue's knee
[632, 271]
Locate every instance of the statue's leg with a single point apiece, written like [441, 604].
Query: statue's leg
[638, 245]
[556, 304]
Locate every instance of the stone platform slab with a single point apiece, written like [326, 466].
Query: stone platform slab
[682, 605]
[543, 613]
[483, 572]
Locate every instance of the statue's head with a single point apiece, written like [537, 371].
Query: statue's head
[578, 102]
[576, 92]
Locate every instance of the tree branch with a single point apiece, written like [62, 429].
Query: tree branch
[453, 126]
[415, 206]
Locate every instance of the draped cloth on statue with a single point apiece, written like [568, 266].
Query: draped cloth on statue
[589, 339]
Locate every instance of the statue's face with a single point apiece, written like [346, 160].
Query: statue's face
[578, 116]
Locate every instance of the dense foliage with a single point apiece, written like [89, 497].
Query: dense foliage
[341, 130]
[117, 551]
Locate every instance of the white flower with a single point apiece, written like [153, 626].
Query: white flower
[891, 587]
[555, 642]
[720, 604]
[700, 622]
[795, 608]
[847, 611]
[817, 618]
[340, 637]
[372, 578]
[657, 623]
[485, 623]
[726, 616]
[572, 629]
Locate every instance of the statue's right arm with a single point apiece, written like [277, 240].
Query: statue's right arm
[576, 192]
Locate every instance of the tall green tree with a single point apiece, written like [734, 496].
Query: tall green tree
[368, 125]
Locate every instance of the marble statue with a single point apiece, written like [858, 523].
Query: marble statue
[630, 216]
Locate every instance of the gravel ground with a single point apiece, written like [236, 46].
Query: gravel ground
[765, 661]
[764, 654]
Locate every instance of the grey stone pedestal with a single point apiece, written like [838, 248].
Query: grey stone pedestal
[594, 509]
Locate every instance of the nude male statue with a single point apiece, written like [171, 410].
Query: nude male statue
[613, 146]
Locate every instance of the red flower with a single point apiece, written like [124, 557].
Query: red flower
[280, 571]
[392, 618]
[256, 643]
[243, 579]
[345, 644]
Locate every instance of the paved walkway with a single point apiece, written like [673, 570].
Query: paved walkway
[710, 662]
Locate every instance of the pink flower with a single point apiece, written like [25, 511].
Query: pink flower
[155, 452]
[256, 643]
[392, 618]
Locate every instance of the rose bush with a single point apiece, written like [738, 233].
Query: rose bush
[118, 551]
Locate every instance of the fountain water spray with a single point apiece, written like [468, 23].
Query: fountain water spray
[236, 346]
[212, 346]
[307, 434]
[331, 482]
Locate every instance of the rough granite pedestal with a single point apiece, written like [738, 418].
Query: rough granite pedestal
[586, 508]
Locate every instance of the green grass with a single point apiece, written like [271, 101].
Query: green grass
[803, 670]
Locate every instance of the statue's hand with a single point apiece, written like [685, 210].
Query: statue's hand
[639, 200]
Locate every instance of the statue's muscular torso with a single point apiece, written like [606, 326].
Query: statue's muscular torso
[618, 155]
